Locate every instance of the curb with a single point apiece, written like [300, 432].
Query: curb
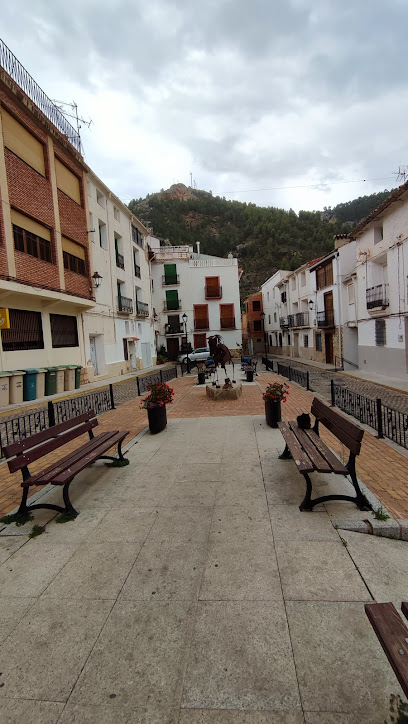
[390, 528]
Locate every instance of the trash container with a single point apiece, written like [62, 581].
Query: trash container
[60, 378]
[16, 387]
[4, 389]
[78, 377]
[51, 381]
[30, 385]
[69, 378]
[41, 382]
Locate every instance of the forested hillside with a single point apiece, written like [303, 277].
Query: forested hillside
[263, 239]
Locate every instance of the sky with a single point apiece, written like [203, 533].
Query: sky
[287, 103]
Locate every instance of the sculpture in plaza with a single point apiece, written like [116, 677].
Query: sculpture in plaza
[221, 356]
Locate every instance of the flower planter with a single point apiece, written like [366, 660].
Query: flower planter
[157, 418]
[250, 375]
[273, 412]
[201, 378]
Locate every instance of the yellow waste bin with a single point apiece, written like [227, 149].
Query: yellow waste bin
[4, 389]
[41, 382]
[16, 387]
[69, 378]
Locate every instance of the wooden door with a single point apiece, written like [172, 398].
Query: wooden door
[328, 309]
[173, 347]
[328, 343]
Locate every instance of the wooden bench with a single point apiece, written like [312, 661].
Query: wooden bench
[392, 634]
[21, 454]
[312, 455]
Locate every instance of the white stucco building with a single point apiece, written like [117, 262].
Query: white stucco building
[203, 287]
[118, 331]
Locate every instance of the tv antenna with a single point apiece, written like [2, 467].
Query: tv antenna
[62, 106]
[402, 174]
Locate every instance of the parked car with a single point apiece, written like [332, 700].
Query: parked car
[197, 355]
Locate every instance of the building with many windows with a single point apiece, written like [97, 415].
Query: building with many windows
[194, 296]
[253, 324]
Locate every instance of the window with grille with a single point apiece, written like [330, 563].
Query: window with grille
[25, 331]
[137, 236]
[32, 244]
[74, 264]
[64, 330]
[380, 335]
[318, 342]
[306, 340]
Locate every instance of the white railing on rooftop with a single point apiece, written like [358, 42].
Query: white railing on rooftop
[171, 252]
[213, 262]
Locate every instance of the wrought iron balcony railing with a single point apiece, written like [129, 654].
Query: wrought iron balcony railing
[326, 318]
[172, 305]
[227, 322]
[142, 309]
[120, 260]
[170, 329]
[213, 292]
[300, 319]
[170, 280]
[125, 304]
[283, 322]
[377, 296]
[201, 324]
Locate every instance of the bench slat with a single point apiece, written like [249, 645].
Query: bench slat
[51, 444]
[69, 473]
[347, 432]
[336, 464]
[46, 476]
[392, 634]
[16, 448]
[301, 459]
[319, 462]
[404, 608]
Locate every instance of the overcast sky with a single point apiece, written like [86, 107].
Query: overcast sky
[247, 95]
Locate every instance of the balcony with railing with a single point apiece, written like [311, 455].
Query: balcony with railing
[300, 319]
[142, 309]
[377, 297]
[137, 271]
[227, 322]
[172, 305]
[201, 324]
[125, 305]
[326, 318]
[173, 329]
[283, 322]
[170, 280]
[213, 292]
[120, 260]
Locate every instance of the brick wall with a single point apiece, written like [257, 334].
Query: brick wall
[77, 283]
[3, 255]
[29, 192]
[72, 219]
[36, 271]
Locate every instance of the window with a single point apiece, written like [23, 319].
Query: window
[25, 331]
[256, 306]
[136, 265]
[269, 318]
[318, 341]
[293, 283]
[257, 325]
[275, 318]
[31, 243]
[303, 279]
[170, 273]
[267, 296]
[172, 300]
[103, 235]
[289, 340]
[213, 290]
[227, 317]
[137, 236]
[306, 340]
[116, 213]
[283, 297]
[380, 334]
[22, 143]
[201, 320]
[100, 198]
[67, 182]
[350, 293]
[324, 276]
[64, 330]
[125, 349]
[74, 257]
[378, 234]
[200, 340]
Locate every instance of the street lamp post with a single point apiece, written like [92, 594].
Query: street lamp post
[263, 329]
[184, 318]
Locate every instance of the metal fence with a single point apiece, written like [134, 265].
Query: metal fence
[291, 373]
[101, 400]
[388, 421]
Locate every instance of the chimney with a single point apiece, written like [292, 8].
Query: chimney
[198, 248]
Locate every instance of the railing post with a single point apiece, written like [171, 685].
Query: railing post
[138, 386]
[379, 418]
[51, 414]
[333, 404]
[176, 371]
[307, 381]
[112, 399]
[161, 375]
[290, 373]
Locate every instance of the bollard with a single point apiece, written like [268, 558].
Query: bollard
[112, 399]
[333, 404]
[379, 418]
[51, 414]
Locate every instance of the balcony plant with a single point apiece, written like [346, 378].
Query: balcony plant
[159, 395]
[274, 395]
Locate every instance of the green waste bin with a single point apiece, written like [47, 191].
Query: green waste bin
[51, 381]
[30, 385]
[78, 377]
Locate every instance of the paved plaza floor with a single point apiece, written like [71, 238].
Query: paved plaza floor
[190, 589]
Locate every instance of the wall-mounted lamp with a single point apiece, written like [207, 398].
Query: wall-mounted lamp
[311, 304]
[96, 280]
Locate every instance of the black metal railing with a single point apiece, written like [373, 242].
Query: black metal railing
[125, 304]
[170, 280]
[18, 73]
[173, 329]
[294, 375]
[339, 363]
[283, 322]
[101, 401]
[137, 271]
[213, 292]
[172, 306]
[144, 381]
[376, 296]
[120, 260]
[300, 319]
[326, 318]
[268, 364]
[388, 421]
[227, 322]
[22, 426]
[142, 308]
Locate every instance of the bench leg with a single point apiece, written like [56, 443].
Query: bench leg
[69, 508]
[308, 503]
[117, 462]
[361, 501]
[286, 455]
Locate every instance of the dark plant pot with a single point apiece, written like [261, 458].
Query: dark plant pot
[273, 412]
[201, 378]
[250, 375]
[157, 419]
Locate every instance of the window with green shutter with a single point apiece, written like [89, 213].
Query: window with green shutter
[170, 274]
[172, 300]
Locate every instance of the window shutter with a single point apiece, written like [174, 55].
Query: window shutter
[172, 300]
[170, 273]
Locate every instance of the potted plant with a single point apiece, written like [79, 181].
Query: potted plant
[274, 395]
[155, 403]
[201, 373]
